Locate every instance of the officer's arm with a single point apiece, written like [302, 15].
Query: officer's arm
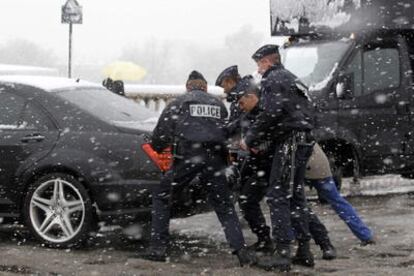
[271, 110]
[233, 127]
[163, 135]
[224, 110]
[234, 112]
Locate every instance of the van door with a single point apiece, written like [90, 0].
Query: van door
[408, 104]
[372, 111]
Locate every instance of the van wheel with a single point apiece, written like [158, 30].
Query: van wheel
[58, 210]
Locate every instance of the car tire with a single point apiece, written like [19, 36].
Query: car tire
[58, 211]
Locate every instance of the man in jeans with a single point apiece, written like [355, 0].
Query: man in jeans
[319, 176]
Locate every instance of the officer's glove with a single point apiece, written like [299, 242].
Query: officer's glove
[232, 174]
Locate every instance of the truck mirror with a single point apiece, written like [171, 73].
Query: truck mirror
[344, 86]
[340, 90]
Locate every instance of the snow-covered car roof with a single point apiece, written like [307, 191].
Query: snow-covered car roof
[153, 90]
[48, 83]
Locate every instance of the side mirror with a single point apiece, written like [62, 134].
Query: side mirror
[344, 87]
[340, 90]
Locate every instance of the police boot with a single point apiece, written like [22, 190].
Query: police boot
[152, 254]
[328, 251]
[303, 255]
[280, 260]
[246, 257]
[263, 245]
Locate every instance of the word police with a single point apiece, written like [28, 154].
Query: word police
[205, 110]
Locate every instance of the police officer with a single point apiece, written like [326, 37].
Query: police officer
[255, 171]
[282, 118]
[228, 80]
[194, 124]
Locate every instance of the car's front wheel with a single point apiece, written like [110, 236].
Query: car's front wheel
[58, 210]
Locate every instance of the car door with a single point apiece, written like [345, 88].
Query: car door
[27, 134]
[372, 109]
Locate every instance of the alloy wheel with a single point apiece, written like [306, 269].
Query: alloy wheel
[57, 210]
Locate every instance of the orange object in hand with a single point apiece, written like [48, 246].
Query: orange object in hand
[162, 160]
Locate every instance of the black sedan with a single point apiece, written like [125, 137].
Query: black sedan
[71, 156]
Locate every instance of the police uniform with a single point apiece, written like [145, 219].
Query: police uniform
[231, 72]
[195, 124]
[233, 127]
[284, 111]
[254, 174]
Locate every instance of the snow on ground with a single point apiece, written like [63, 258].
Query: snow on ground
[207, 225]
[198, 248]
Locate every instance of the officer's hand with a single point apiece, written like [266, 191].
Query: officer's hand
[243, 145]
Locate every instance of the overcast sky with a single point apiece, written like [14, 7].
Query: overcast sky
[108, 25]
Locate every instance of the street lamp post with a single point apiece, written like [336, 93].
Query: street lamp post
[71, 14]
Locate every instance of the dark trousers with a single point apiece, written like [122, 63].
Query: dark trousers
[288, 208]
[252, 193]
[255, 174]
[207, 162]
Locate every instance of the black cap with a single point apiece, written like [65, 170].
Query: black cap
[196, 76]
[229, 72]
[265, 50]
[245, 85]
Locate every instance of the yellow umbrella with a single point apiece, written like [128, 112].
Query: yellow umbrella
[124, 70]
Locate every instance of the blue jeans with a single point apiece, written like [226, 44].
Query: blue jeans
[327, 190]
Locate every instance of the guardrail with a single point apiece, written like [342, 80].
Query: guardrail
[156, 97]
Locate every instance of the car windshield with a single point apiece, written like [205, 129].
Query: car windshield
[314, 62]
[112, 108]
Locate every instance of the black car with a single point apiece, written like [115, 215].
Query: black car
[360, 77]
[70, 156]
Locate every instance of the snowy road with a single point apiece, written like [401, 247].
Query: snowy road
[199, 249]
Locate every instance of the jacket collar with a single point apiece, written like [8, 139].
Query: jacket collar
[278, 66]
[232, 95]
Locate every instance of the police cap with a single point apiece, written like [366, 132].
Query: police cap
[265, 50]
[194, 75]
[245, 86]
[229, 72]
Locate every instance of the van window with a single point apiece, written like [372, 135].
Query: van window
[410, 42]
[381, 69]
[314, 61]
[355, 69]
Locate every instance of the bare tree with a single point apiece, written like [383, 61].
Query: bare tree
[24, 52]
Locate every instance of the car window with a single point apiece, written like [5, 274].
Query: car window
[11, 107]
[381, 69]
[34, 119]
[112, 108]
[354, 69]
